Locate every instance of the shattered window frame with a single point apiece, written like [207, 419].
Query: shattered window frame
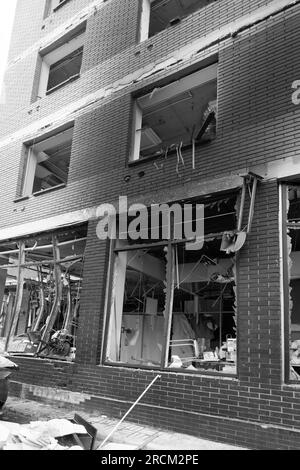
[190, 103]
[62, 52]
[289, 194]
[41, 284]
[41, 173]
[56, 4]
[54, 81]
[158, 15]
[114, 344]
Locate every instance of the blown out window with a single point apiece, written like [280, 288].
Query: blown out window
[173, 301]
[48, 163]
[40, 289]
[158, 15]
[64, 69]
[179, 114]
[291, 270]
[62, 63]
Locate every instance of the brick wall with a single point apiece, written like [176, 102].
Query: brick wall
[257, 122]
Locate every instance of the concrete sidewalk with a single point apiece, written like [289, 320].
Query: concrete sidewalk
[129, 436]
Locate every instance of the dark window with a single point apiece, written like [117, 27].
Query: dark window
[166, 13]
[48, 163]
[179, 114]
[65, 69]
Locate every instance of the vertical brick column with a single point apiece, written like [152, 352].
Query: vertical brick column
[92, 298]
[259, 315]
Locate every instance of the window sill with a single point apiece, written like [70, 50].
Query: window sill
[57, 87]
[172, 152]
[33, 357]
[184, 372]
[20, 199]
[292, 385]
[60, 5]
[49, 190]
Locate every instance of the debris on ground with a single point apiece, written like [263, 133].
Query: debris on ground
[40, 435]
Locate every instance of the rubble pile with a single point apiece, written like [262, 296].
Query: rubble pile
[39, 435]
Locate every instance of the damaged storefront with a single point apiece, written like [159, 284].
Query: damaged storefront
[290, 194]
[41, 282]
[173, 302]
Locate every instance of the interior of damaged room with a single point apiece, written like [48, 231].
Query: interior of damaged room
[291, 237]
[173, 302]
[40, 288]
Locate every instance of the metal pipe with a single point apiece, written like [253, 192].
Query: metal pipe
[242, 205]
[69, 242]
[130, 409]
[251, 210]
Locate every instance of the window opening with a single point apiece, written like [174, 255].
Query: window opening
[62, 64]
[158, 15]
[174, 306]
[41, 283]
[48, 163]
[292, 281]
[179, 114]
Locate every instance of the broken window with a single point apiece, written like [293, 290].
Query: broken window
[48, 162]
[41, 282]
[56, 3]
[173, 302]
[53, 5]
[62, 64]
[158, 15]
[138, 308]
[65, 69]
[180, 114]
[291, 272]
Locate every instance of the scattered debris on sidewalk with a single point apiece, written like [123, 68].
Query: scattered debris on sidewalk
[56, 434]
[6, 369]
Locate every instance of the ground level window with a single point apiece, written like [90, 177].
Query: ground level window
[291, 240]
[56, 3]
[173, 304]
[41, 281]
[203, 328]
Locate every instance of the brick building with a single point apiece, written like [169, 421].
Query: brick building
[162, 101]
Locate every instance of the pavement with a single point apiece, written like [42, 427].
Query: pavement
[128, 436]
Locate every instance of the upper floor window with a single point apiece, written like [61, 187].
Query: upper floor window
[56, 3]
[159, 14]
[62, 64]
[290, 204]
[176, 115]
[48, 162]
[53, 5]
